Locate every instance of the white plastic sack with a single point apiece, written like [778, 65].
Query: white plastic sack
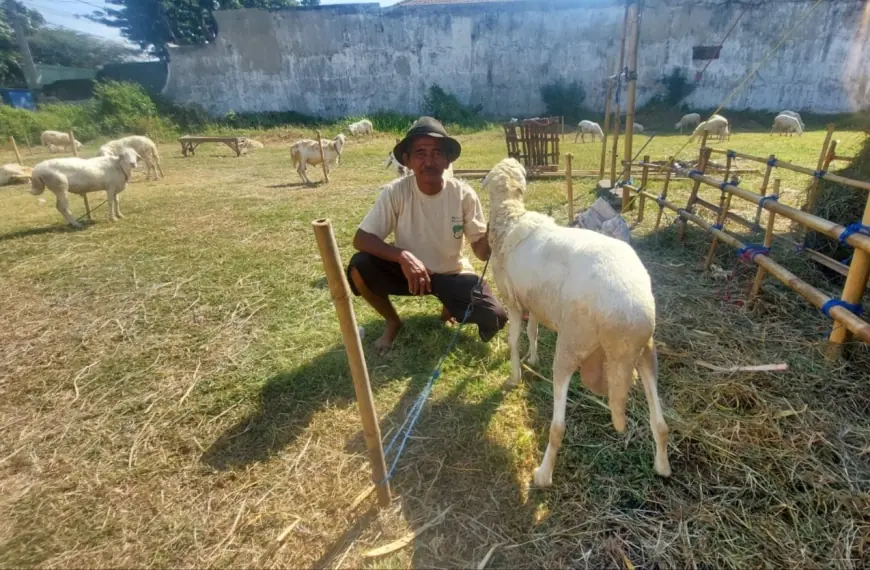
[602, 218]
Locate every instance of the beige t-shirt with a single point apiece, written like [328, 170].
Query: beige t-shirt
[433, 228]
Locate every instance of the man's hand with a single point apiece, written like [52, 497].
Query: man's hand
[416, 273]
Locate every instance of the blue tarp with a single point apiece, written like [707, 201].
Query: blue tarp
[19, 98]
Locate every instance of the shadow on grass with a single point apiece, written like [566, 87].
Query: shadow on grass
[316, 184]
[55, 229]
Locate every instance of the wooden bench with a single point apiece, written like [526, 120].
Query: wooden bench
[189, 143]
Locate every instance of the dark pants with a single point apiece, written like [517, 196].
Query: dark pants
[385, 278]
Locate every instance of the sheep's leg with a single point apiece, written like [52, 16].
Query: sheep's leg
[515, 324]
[532, 332]
[617, 371]
[62, 206]
[157, 162]
[301, 170]
[149, 167]
[563, 369]
[647, 368]
[118, 205]
[110, 202]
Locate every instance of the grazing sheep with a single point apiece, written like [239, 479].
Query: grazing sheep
[638, 129]
[14, 174]
[588, 128]
[143, 146]
[715, 125]
[691, 120]
[251, 143]
[786, 124]
[55, 139]
[361, 128]
[592, 290]
[796, 116]
[83, 175]
[305, 152]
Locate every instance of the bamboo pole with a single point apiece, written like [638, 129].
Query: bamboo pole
[322, 160]
[644, 179]
[763, 189]
[569, 186]
[27, 142]
[816, 297]
[613, 151]
[340, 291]
[72, 143]
[802, 169]
[631, 79]
[814, 185]
[664, 191]
[15, 148]
[606, 128]
[816, 223]
[768, 241]
[853, 290]
[724, 205]
[703, 159]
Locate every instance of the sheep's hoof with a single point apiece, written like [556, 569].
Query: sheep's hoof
[662, 467]
[510, 384]
[120, 215]
[531, 359]
[77, 225]
[543, 479]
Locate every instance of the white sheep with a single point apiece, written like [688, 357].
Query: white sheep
[251, 143]
[592, 290]
[83, 175]
[638, 129]
[306, 151]
[588, 128]
[55, 139]
[786, 124]
[690, 120]
[796, 116]
[143, 146]
[715, 125]
[14, 174]
[360, 128]
[405, 171]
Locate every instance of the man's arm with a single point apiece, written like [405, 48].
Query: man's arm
[481, 247]
[419, 282]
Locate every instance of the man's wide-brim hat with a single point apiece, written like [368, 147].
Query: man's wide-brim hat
[427, 127]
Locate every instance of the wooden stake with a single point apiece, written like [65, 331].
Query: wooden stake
[322, 160]
[72, 143]
[27, 142]
[15, 148]
[763, 189]
[853, 290]
[612, 84]
[613, 151]
[340, 291]
[664, 191]
[724, 205]
[606, 128]
[644, 178]
[814, 185]
[569, 185]
[768, 241]
[693, 196]
[631, 79]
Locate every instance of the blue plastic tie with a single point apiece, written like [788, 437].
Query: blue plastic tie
[750, 250]
[661, 200]
[716, 226]
[847, 261]
[856, 228]
[763, 199]
[856, 309]
[698, 172]
[722, 186]
[731, 154]
[771, 162]
[819, 173]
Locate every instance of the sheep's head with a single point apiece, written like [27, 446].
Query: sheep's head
[338, 142]
[506, 181]
[128, 159]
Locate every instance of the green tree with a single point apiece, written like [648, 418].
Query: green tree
[152, 24]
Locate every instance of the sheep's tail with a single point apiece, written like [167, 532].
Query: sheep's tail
[36, 185]
[294, 155]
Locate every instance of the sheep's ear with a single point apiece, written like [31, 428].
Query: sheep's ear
[138, 157]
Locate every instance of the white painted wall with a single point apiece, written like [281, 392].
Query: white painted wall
[354, 59]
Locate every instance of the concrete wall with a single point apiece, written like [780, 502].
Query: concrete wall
[358, 58]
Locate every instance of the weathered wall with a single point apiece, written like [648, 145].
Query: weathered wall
[358, 58]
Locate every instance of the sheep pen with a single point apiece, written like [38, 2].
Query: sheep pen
[176, 394]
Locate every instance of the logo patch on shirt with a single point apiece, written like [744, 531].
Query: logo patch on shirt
[457, 227]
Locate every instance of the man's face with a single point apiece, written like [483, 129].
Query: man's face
[427, 159]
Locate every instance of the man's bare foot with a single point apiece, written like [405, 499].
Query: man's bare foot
[446, 317]
[391, 330]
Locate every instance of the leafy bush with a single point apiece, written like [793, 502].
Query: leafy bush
[122, 107]
[446, 108]
[677, 87]
[564, 100]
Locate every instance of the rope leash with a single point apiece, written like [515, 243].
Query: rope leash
[407, 426]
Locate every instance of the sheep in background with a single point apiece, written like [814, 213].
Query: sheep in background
[638, 129]
[251, 144]
[715, 125]
[588, 128]
[360, 128]
[306, 151]
[592, 290]
[796, 116]
[55, 139]
[786, 124]
[14, 174]
[83, 175]
[143, 146]
[690, 120]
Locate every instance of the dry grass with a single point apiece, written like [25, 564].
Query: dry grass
[174, 393]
